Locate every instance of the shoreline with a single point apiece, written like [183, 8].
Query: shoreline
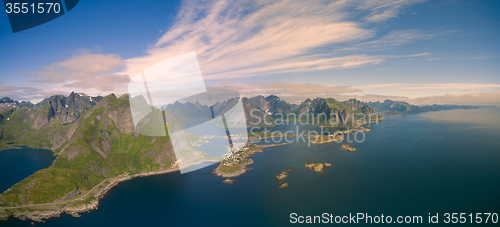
[243, 166]
[41, 212]
[90, 200]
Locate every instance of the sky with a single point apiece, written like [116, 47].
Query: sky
[422, 52]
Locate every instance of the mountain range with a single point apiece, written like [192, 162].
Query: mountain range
[94, 137]
[272, 108]
[7, 102]
[400, 107]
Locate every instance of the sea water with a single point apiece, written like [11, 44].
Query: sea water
[408, 165]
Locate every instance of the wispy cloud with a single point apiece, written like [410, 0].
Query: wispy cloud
[382, 10]
[483, 98]
[419, 55]
[459, 86]
[397, 38]
[284, 88]
[26, 93]
[444, 93]
[251, 38]
[433, 59]
[235, 39]
[94, 73]
[298, 92]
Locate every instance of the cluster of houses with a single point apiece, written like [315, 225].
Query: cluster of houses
[233, 157]
[201, 140]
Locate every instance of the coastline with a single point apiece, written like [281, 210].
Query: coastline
[243, 166]
[89, 201]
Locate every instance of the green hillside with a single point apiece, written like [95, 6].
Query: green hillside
[95, 138]
[100, 144]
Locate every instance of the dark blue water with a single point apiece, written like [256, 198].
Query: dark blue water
[18, 163]
[434, 162]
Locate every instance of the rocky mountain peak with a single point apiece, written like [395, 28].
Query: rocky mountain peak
[6, 100]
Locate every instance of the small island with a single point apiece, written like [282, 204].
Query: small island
[229, 181]
[282, 176]
[317, 166]
[285, 185]
[347, 147]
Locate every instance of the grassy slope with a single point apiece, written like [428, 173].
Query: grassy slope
[18, 128]
[79, 165]
[128, 152]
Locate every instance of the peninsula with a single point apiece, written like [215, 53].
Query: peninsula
[235, 164]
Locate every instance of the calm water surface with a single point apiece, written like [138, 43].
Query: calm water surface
[434, 162]
[18, 163]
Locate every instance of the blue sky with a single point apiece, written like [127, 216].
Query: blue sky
[424, 52]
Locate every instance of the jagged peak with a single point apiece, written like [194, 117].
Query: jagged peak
[272, 97]
[6, 100]
[125, 96]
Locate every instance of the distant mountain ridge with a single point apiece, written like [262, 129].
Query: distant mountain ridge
[401, 107]
[272, 104]
[7, 102]
[395, 107]
[436, 107]
[67, 109]
[272, 108]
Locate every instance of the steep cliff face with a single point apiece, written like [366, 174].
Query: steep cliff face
[272, 104]
[189, 110]
[64, 109]
[102, 143]
[395, 107]
[18, 127]
[357, 105]
[304, 106]
[7, 102]
[255, 115]
[325, 111]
